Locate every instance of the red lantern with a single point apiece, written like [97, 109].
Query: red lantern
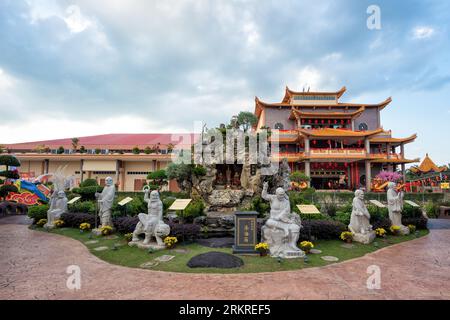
[314, 142]
[346, 164]
[329, 121]
[316, 121]
[342, 121]
[335, 121]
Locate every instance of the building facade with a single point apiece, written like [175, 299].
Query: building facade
[338, 145]
[127, 158]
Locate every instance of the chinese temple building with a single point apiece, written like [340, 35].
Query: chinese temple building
[339, 145]
[428, 176]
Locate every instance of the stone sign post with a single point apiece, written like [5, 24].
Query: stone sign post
[245, 236]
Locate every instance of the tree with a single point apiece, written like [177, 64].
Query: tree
[186, 175]
[246, 120]
[136, 150]
[75, 143]
[8, 161]
[60, 150]
[158, 177]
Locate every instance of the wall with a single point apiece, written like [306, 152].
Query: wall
[370, 116]
[274, 115]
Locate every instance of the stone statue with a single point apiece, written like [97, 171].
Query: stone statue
[105, 202]
[360, 220]
[58, 206]
[395, 207]
[282, 230]
[285, 174]
[151, 224]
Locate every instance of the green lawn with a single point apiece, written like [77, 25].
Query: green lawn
[120, 253]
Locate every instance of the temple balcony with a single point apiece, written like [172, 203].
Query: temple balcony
[337, 152]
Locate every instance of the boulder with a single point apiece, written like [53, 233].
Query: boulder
[215, 260]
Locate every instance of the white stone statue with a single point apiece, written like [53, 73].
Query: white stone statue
[282, 230]
[151, 224]
[395, 207]
[58, 206]
[105, 202]
[360, 220]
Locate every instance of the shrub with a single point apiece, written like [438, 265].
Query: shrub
[82, 207]
[411, 212]
[167, 202]
[420, 222]
[382, 223]
[377, 213]
[412, 228]
[88, 183]
[74, 219]
[7, 188]
[185, 231]
[125, 224]
[259, 205]
[343, 217]
[321, 229]
[194, 209]
[432, 209]
[85, 226]
[38, 212]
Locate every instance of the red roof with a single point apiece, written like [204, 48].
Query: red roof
[110, 141]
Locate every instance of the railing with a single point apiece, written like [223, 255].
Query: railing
[339, 152]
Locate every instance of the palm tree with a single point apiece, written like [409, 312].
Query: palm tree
[75, 143]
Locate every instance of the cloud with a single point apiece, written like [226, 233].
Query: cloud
[423, 32]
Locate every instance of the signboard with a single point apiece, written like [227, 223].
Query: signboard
[308, 209]
[180, 204]
[74, 200]
[125, 201]
[377, 203]
[412, 203]
[445, 185]
[245, 237]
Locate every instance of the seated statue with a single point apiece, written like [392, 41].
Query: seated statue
[151, 224]
[395, 207]
[360, 220]
[58, 206]
[282, 230]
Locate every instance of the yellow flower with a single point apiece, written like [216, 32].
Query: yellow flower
[306, 245]
[170, 241]
[380, 232]
[346, 235]
[262, 246]
[85, 226]
[394, 229]
[41, 222]
[58, 223]
[106, 230]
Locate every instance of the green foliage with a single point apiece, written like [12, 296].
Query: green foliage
[148, 150]
[194, 209]
[158, 175]
[60, 150]
[259, 205]
[411, 212]
[136, 150]
[298, 176]
[38, 212]
[82, 207]
[83, 149]
[8, 160]
[88, 192]
[198, 170]
[9, 174]
[377, 214]
[89, 183]
[432, 209]
[167, 202]
[98, 151]
[5, 189]
[246, 120]
[179, 172]
[343, 217]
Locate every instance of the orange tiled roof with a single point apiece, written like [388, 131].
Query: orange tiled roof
[393, 140]
[289, 93]
[428, 165]
[330, 132]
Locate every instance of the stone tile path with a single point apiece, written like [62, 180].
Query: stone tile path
[33, 266]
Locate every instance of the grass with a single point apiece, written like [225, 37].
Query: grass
[120, 253]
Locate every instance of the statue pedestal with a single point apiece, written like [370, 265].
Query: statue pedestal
[404, 231]
[140, 244]
[278, 244]
[364, 238]
[49, 226]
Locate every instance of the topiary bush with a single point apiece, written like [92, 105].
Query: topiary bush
[194, 209]
[38, 212]
[411, 212]
[432, 209]
[74, 219]
[343, 217]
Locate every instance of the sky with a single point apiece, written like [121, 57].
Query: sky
[81, 67]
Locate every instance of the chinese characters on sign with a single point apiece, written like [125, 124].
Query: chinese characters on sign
[245, 237]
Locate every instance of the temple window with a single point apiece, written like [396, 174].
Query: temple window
[278, 126]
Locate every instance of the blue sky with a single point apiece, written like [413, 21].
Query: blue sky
[82, 67]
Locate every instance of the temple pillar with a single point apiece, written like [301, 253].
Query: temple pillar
[367, 145]
[81, 170]
[403, 172]
[117, 171]
[368, 176]
[308, 171]
[388, 150]
[402, 150]
[307, 149]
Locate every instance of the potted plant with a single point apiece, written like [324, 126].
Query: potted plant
[380, 232]
[395, 230]
[85, 226]
[262, 248]
[347, 236]
[412, 228]
[170, 242]
[106, 230]
[306, 246]
[58, 223]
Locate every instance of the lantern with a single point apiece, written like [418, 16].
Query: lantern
[329, 121]
[342, 121]
[345, 164]
[335, 121]
[314, 142]
[316, 121]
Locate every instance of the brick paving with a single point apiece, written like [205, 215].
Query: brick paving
[33, 266]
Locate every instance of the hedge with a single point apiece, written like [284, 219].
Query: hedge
[321, 229]
[38, 212]
[74, 219]
[125, 224]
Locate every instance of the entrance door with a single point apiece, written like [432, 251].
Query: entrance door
[139, 184]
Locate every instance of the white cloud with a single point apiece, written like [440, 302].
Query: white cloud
[308, 77]
[423, 32]
[6, 81]
[75, 20]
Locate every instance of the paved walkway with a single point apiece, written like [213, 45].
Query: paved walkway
[33, 266]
